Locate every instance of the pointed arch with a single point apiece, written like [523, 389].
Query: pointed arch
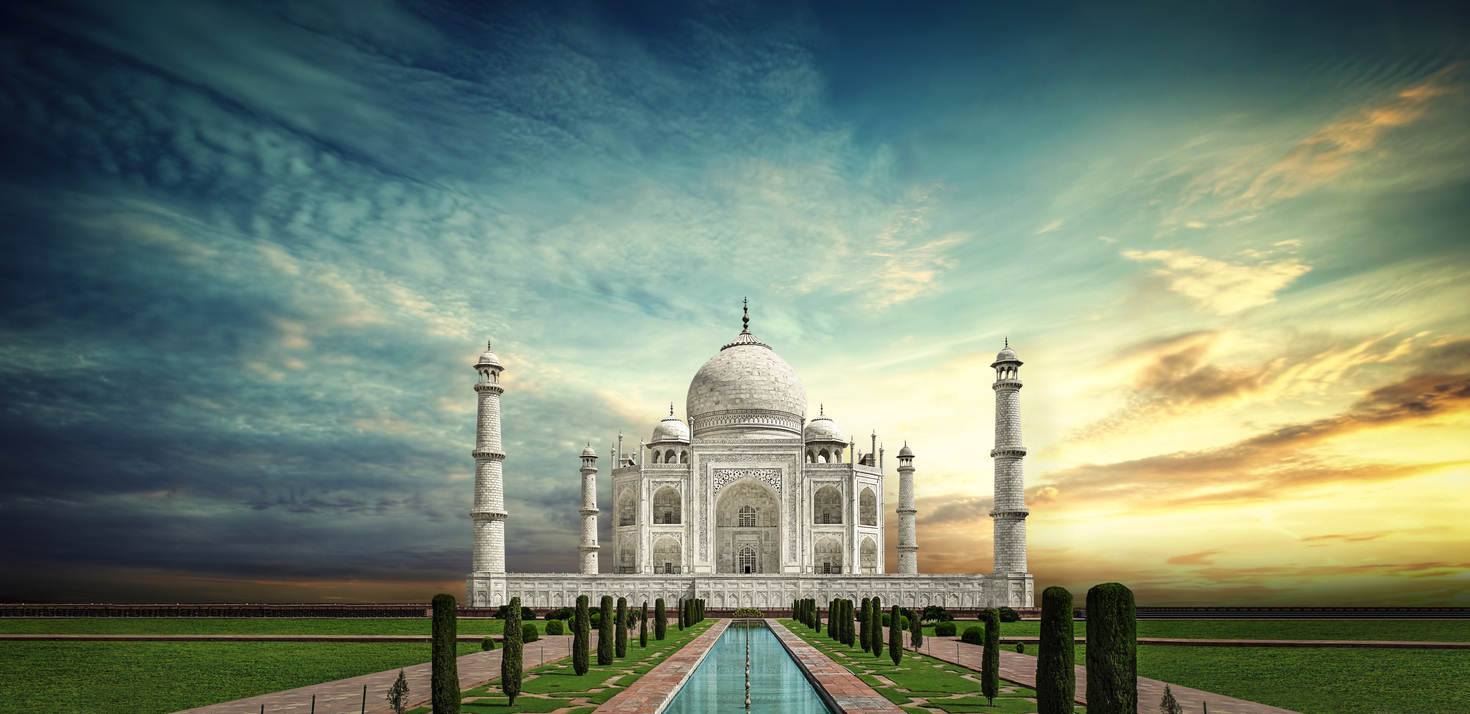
[827, 505]
[868, 508]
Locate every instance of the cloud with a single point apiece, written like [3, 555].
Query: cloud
[1204, 557]
[1346, 144]
[1221, 287]
[1058, 223]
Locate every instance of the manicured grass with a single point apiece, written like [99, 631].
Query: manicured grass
[1319, 681]
[919, 681]
[555, 685]
[1405, 630]
[241, 626]
[157, 677]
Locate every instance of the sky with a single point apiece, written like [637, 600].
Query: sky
[251, 251]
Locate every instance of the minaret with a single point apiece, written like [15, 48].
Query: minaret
[589, 545]
[489, 510]
[1009, 516]
[908, 539]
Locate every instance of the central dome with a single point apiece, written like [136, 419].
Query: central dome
[747, 390]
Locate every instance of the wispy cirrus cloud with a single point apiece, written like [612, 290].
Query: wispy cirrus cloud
[1218, 286]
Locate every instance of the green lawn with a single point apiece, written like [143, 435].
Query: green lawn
[240, 626]
[555, 686]
[157, 677]
[918, 683]
[1409, 630]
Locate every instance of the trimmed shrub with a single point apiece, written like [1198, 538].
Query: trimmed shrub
[643, 626]
[863, 620]
[1020, 648]
[529, 633]
[973, 636]
[1056, 683]
[945, 629]
[1112, 650]
[681, 614]
[621, 645]
[596, 618]
[510, 660]
[874, 613]
[660, 619]
[817, 619]
[487, 644]
[895, 639]
[504, 611]
[444, 670]
[605, 634]
[561, 613]
[1009, 615]
[581, 637]
[936, 613]
[747, 612]
[887, 620]
[916, 633]
[990, 658]
[554, 627]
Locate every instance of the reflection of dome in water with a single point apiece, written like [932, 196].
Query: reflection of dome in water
[746, 387]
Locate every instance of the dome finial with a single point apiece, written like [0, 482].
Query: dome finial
[745, 321]
[822, 409]
[671, 408]
[1008, 343]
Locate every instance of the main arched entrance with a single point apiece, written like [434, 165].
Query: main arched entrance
[747, 529]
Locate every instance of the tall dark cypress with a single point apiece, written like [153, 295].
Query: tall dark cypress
[834, 630]
[850, 617]
[817, 619]
[863, 621]
[444, 670]
[622, 625]
[510, 658]
[1056, 683]
[875, 613]
[1112, 650]
[990, 657]
[681, 614]
[643, 626]
[660, 619]
[916, 630]
[582, 637]
[605, 634]
[895, 635]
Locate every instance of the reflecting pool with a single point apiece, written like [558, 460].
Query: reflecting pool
[776, 681]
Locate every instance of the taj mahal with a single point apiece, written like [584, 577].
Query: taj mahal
[749, 503]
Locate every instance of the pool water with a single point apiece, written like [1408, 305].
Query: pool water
[776, 681]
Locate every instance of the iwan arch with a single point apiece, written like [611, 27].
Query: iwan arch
[750, 504]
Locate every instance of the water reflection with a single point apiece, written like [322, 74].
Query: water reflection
[776, 681]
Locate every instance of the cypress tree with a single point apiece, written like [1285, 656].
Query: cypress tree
[605, 634]
[1056, 684]
[895, 635]
[660, 619]
[875, 634]
[849, 612]
[701, 610]
[916, 631]
[681, 614]
[990, 658]
[1112, 650]
[581, 637]
[643, 626]
[863, 637]
[622, 625]
[817, 619]
[832, 630]
[510, 659]
[444, 672]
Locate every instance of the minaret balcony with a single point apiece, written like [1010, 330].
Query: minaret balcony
[489, 515]
[492, 387]
[1012, 452]
[1010, 513]
[488, 454]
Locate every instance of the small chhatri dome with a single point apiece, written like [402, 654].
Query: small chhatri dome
[589, 452]
[1006, 355]
[906, 451]
[489, 359]
[822, 428]
[670, 429]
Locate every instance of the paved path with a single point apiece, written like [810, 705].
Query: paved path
[848, 692]
[646, 695]
[345, 696]
[1021, 669]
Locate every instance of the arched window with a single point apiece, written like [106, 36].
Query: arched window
[627, 508]
[868, 504]
[683, 457]
[666, 506]
[824, 457]
[827, 506]
[809, 458]
[747, 517]
[870, 556]
[747, 554]
[669, 456]
[655, 456]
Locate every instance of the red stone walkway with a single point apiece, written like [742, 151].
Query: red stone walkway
[345, 696]
[659, 685]
[234, 638]
[1021, 669]
[843, 687]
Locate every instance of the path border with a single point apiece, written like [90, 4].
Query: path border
[853, 695]
[666, 678]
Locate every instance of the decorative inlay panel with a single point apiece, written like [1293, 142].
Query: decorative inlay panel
[770, 477]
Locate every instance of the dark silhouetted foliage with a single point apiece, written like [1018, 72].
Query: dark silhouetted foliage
[581, 637]
[1112, 650]
[660, 619]
[510, 659]
[444, 667]
[875, 614]
[605, 634]
[990, 658]
[620, 648]
[1056, 683]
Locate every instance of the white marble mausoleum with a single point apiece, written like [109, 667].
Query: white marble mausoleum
[750, 503]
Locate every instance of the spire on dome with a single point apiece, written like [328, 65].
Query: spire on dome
[745, 321]
[671, 408]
